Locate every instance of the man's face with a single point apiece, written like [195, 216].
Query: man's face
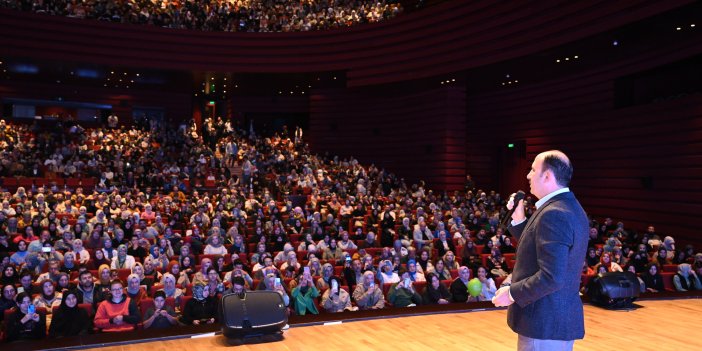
[86, 281]
[159, 302]
[48, 289]
[26, 280]
[536, 178]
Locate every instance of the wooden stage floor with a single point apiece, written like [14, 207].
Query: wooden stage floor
[658, 326]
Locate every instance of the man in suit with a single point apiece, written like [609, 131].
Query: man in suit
[544, 304]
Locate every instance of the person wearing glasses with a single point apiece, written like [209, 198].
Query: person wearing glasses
[118, 312]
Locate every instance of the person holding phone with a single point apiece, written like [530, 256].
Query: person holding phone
[367, 294]
[274, 283]
[336, 299]
[305, 293]
[403, 294]
[25, 323]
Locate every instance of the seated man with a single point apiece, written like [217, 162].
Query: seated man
[160, 316]
[403, 294]
[118, 312]
[368, 295]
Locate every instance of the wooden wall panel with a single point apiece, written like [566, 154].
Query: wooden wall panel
[417, 135]
[639, 164]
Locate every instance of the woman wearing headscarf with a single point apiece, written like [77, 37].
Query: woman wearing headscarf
[135, 290]
[327, 274]
[686, 279]
[122, 260]
[158, 259]
[9, 276]
[215, 246]
[138, 269]
[7, 300]
[69, 319]
[168, 281]
[48, 298]
[22, 325]
[435, 292]
[304, 295]
[336, 299]
[64, 282]
[386, 273]
[202, 308]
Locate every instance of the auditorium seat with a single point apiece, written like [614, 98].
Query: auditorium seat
[668, 281]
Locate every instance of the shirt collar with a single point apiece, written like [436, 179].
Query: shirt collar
[543, 200]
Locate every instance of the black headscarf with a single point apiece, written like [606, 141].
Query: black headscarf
[69, 321]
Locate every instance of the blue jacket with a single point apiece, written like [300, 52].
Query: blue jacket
[546, 276]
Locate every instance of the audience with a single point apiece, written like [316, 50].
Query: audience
[155, 215]
[228, 16]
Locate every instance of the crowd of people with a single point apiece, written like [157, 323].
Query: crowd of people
[222, 15]
[178, 216]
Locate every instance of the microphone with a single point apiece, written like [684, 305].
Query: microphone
[508, 217]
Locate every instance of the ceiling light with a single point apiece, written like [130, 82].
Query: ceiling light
[516, 81]
[442, 82]
[212, 78]
[678, 28]
[567, 59]
[558, 60]
[691, 26]
[503, 83]
[112, 72]
[615, 43]
[137, 74]
[576, 56]
[453, 80]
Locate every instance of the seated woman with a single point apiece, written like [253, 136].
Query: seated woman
[327, 274]
[160, 316]
[441, 271]
[169, 288]
[336, 299]
[435, 292]
[686, 279]
[459, 286]
[489, 287]
[25, 323]
[147, 281]
[7, 300]
[304, 295]
[202, 308]
[403, 293]
[273, 283]
[122, 260]
[118, 312]
[48, 298]
[215, 246]
[69, 319]
[606, 262]
[386, 273]
[367, 294]
[135, 291]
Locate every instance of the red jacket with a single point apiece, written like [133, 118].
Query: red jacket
[107, 310]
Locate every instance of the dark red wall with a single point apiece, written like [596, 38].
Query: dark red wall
[416, 134]
[640, 164]
[442, 39]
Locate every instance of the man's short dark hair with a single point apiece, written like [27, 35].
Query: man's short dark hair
[561, 169]
[238, 281]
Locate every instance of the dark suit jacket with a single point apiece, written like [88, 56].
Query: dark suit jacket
[546, 276]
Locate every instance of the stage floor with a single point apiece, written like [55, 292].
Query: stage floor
[656, 326]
